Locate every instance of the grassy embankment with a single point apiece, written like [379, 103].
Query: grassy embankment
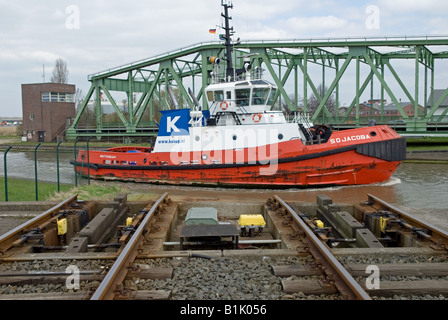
[427, 144]
[25, 190]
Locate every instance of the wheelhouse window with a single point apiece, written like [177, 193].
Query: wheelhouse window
[259, 96]
[242, 97]
[210, 96]
[271, 97]
[219, 95]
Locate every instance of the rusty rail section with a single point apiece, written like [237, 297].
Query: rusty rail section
[437, 236]
[108, 288]
[335, 272]
[8, 239]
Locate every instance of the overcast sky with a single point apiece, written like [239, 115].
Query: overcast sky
[95, 35]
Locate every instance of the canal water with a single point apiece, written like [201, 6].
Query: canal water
[414, 185]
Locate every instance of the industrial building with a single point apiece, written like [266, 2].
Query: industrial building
[48, 109]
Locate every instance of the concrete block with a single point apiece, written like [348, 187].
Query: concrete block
[347, 224]
[116, 205]
[333, 207]
[323, 200]
[96, 228]
[78, 244]
[366, 239]
[122, 197]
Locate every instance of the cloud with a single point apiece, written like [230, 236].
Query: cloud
[113, 33]
[403, 7]
[304, 26]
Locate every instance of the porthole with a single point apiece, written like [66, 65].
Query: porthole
[280, 136]
[197, 138]
[204, 157]
[234, 137]
[373, 133]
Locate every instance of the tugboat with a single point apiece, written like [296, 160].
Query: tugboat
[239, 141]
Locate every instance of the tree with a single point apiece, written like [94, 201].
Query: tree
[313, 101]
[60, 72]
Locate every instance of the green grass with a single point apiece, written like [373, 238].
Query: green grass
[428, 141]
[25, 190]
[94, 191]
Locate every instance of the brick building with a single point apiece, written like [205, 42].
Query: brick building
[47, 109]
[368, 109]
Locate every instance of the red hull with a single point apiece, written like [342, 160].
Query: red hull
[359, 156]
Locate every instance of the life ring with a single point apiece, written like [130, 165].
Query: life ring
[224, 105]
[256, 117]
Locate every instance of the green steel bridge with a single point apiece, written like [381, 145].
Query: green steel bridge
[124, 101]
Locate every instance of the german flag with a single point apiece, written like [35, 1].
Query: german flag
[212, 31]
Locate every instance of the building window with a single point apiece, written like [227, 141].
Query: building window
[57, 97]
[45, 96]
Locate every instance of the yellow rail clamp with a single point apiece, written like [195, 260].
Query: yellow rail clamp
[62, 227]
[319, 223]
[251, 220]
[129, 221]
[383, 224]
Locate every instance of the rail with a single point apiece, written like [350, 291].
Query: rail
[343, 281]
[116, 275]
[437, 236]
[7, 240]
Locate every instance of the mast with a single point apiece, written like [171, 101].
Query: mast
[228, 32]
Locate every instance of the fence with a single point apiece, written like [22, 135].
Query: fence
[78, 177]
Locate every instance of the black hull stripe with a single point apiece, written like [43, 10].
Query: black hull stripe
[375, 150]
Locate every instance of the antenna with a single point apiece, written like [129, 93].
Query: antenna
[229, 32]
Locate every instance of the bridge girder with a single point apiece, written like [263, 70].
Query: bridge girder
[284, 62]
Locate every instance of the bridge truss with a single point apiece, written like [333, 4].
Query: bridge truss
[389, 67]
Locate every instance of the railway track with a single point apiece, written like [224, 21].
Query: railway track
[335, 274]
[102, 274]
[107, 290]
[313, 261]
[368, 273]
